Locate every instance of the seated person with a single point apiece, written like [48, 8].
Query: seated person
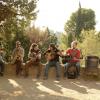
[17, 56]
[52, 56]
[2, 62]
[34, 59]
[75, 57]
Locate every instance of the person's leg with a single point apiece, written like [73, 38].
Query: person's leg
[39, 69]
[78, 68]
[57, 70]
[16, 64]
[18, 67]
[65, 68]
[2, 68]
[46, 70]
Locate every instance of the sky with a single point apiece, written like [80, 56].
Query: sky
[54, 13]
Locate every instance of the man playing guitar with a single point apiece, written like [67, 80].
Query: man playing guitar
[75, 55]
[52, 55]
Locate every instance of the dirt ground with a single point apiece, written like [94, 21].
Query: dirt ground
[19, 88]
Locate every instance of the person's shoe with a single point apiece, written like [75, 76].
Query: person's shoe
[1, 74]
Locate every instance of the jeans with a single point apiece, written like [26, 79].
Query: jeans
[1, 67]
[77, 64]
[50, 64]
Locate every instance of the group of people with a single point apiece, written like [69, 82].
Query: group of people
[52, 55]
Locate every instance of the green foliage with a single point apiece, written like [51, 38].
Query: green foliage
[82, 19]
[90, 44]
[70, 39]
[6, 11]
[14, 27]
[65, 41]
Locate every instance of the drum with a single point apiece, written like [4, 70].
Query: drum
[72, 71]
[91, 62]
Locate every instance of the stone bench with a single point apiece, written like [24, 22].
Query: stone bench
[10, 71]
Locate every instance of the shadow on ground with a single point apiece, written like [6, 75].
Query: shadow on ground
[32, 89]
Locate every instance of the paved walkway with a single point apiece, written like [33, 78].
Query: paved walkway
[31, 89]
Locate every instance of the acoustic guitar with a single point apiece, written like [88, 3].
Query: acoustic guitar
[50, 56]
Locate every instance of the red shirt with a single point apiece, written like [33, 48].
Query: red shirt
[75, 53]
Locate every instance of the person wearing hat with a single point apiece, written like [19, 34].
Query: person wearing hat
[34, 56]
[75, 54]
[52, 55]
[2, 62]
[17, 56]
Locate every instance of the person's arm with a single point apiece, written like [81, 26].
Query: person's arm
[29, 55]
[1, 58]
[21, 53]
[68, 52]
[39, 54]
[60, 53]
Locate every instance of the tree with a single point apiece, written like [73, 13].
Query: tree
[25, 12]
[42, 37]
[6, 11]
[82, 19]
[65, 41]
[91, 43]
[14, 27]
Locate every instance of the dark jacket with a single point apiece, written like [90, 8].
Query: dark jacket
[54, 53]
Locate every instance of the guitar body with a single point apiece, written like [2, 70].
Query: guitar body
[49, 56]
[16, 58]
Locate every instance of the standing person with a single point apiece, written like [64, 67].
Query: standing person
[17, 55]
[2, 62]
[34, 59]
[52, 56]
[74, 52]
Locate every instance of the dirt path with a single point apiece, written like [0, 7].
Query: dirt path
[31, 89]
